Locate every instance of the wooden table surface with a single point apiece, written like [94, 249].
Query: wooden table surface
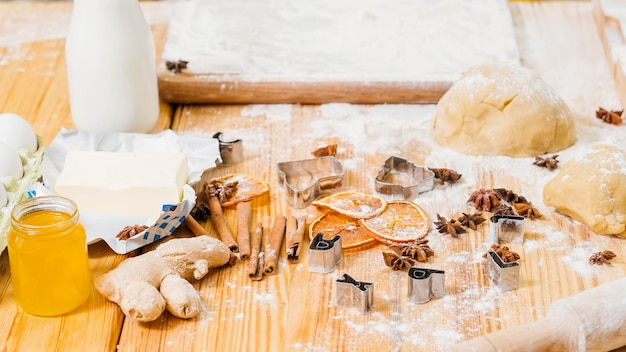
[294, 309]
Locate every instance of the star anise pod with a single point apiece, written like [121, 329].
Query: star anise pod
[549, 162]
[471, 220]
[503, 209]
[200, 212]
[613, 117]
[484, 199]
[507, 255]
[130, 231]
[443, 175]
[418, 250]
[452, 227]
[527, 210]
[396, 261]
[329, 150]
[176, 66]
[509, 196]
[223, 191]
[602, 257]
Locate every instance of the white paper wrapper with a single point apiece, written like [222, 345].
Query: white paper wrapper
[202, 154]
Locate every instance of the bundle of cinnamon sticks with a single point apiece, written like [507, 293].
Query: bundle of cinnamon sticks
[260, 247]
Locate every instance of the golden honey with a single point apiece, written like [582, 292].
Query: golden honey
[48, 256]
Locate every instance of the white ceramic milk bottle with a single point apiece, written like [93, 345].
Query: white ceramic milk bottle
[111, 67]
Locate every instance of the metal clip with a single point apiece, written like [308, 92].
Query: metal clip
[501, 274]
[402, 179]
[358, 294]
[426, 283]
[230, 152]
[506, 229]
[324, 255]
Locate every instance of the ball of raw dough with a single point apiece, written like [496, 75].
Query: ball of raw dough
[503, 109]
[592, 189]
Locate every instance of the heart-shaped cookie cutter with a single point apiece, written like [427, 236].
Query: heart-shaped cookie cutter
[402, 179]
[305, 180]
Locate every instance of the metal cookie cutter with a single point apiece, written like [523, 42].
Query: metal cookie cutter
[403, 179]
[324, 255]
[506, 229]
[501, 274]
[358, 294]
[230, 152]
[304, 180]
[426, 283]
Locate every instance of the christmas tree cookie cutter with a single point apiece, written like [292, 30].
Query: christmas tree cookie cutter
[304, 180]
[402, 179]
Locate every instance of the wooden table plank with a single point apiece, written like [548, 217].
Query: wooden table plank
[294, 309]
[302, 302]
[34, 86]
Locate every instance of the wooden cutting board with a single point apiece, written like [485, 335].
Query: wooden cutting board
[356, 51]
[611, 20]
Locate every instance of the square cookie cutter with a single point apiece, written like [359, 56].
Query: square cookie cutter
[426, 283]
[353, 293]
[506, 229]
[402, 179]
[501, 274]
[305, 180]
[324, 255]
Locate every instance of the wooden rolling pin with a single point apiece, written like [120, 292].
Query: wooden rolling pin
[593, 320]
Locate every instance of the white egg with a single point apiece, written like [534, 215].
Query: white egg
[4, 199]
[17, 132]
[10, 162]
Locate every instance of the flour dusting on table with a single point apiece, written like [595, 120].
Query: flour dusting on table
[350, 40]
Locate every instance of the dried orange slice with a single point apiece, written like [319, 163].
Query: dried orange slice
[332, 223]
[354, 204]
[247, 188]
[402, 221]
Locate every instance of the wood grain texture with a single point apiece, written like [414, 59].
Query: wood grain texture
[295, 309]
[33, 73]
[183, 88]
[614, 43]
[272, 48]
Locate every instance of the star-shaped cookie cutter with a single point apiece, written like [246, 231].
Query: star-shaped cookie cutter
[402, 179]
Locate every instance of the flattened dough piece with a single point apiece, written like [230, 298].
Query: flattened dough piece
[592, 189]
[503, 109]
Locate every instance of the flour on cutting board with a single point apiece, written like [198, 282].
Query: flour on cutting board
[349, 40]
[615, 9]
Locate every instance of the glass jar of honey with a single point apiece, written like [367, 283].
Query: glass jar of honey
[48, 256]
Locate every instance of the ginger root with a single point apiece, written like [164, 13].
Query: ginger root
[146, 285]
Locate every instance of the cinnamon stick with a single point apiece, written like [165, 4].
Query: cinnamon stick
[243, 229]
[217, 218]
[274, 241]
[195, 227]
[256, 257]
[294, 237]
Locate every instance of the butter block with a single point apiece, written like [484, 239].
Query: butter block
[123, 183]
